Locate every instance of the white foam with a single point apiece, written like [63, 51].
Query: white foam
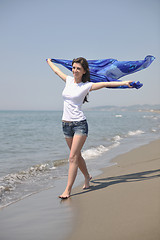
[116, 144]
[117, 138]
[94, 152]
[133, 133]
[150, 117]
[52, 168]
[98, 151]
[118, 116]
[153, 130]
[9, 181]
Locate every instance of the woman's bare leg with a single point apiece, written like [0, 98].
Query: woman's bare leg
[76, 146]
[82, 165]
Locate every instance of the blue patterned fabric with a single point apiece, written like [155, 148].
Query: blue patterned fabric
[107, 70]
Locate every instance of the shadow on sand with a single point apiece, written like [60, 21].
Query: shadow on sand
[108, 181]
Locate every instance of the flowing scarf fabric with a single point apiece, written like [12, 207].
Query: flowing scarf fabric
[107, 70]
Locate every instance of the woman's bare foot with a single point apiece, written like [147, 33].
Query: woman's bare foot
[65, 195]
[86, 182]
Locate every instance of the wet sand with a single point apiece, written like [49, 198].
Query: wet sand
[40, 216]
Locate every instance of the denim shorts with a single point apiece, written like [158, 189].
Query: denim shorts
[75, 128]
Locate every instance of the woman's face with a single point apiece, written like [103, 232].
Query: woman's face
[78, 71]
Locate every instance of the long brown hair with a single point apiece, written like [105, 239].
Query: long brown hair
[86, 76]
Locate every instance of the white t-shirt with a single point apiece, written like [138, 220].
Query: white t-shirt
[73, 95]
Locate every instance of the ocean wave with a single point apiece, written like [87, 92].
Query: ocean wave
[98, 151]
[117, 138]
[153, 130]
[118, 116]
[150, 117]
[9, 182]
[134, 133]
[94, 152]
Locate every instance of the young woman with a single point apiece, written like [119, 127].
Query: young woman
[74, 123]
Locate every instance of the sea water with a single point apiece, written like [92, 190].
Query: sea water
[34, 154]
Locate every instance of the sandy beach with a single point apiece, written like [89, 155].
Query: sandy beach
[123, 203]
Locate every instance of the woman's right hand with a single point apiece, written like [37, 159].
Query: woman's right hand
[56, 70]
[48, 60]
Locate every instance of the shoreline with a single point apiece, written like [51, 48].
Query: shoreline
[108, 210]
[124, 201]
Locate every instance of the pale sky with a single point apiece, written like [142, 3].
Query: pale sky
[34, 30]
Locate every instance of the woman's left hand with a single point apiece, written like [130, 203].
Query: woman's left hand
[127, 83]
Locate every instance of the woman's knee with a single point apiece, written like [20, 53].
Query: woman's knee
[73, 159]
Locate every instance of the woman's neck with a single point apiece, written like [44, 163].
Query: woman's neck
[77, 80]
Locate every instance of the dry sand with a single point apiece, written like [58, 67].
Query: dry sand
[124, 202]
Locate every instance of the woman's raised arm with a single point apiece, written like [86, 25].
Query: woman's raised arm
[56, 70]
[99, 85]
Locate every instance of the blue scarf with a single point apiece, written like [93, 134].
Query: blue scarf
[107, 70]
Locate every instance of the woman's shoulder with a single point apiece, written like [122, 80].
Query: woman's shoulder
[69, 78]
[87, 86]
[88, 83]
